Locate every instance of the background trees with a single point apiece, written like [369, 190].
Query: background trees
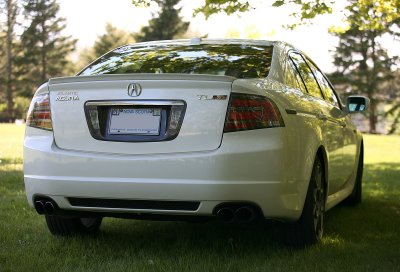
[111, 39]
[45, 49]
[8, 52]
[394, 111]
[362, 62]
[165, 25]
[29, 59]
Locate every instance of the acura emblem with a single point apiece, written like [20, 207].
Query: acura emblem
[134, 89]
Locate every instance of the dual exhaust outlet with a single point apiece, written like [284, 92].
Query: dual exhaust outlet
[227, 214]
[47, 207]
[242, 214]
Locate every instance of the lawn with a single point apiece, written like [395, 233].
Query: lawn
[362, 238]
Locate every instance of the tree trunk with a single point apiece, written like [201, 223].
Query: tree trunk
[43, 54]
[396, 121]
[372, 116]
[11, 14]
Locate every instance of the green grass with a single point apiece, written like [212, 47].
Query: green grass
[362, 238]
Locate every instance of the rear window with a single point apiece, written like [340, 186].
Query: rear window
[237, 60]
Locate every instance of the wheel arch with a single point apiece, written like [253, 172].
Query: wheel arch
[320, 153]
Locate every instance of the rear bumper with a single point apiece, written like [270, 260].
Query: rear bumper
[249, 167]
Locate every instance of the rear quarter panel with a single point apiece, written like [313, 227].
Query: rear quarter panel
[302, 133]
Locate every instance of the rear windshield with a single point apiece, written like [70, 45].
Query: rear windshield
[237, 60]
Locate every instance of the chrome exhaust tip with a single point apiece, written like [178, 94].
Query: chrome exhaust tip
[225, 215]
[49, 208]
[245, 214]
[39, 207]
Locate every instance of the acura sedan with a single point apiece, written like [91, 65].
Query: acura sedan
[236, 130]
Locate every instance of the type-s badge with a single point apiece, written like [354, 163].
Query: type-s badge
[67, 96]
[211, 97]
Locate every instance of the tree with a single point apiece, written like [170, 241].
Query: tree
[394, 111]
[112, 39]
[45, 49]
[10, 8]
[362, 62]
[166, 25]
[309, 9]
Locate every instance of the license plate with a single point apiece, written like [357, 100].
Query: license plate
[138, 121]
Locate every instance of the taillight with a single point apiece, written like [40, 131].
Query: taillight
[246, 112]
[39, 115]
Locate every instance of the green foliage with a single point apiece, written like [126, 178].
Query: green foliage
[229, 7]
[309, 9]
[111, 39]
[21, 106]
[306, 9]
[363, 238]
[378, 15]
[3, 112]
[45, 49]
[165, 25]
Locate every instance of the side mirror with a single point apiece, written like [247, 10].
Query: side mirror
[357, 104]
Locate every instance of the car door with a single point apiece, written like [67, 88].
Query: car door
[349, 149]
[337, 118]
[330, 117]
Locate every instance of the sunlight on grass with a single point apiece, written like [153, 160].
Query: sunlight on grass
[375, 190]
[330, 240]
[11, 138]
[382, 148]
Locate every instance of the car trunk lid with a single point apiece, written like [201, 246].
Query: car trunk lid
[195, 104]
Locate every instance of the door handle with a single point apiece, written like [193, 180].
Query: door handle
[322, 117]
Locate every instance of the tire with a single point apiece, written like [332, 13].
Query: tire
[309, 228]
[64, 226]
[355, 197]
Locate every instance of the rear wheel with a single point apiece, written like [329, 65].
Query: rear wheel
[310, 227]
[356, 195]
[64, 226]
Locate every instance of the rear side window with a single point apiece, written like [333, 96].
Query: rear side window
[324, 84]
[237, 60]
[294, 77]
[306, 75]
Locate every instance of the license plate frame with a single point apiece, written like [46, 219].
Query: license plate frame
[134, 121]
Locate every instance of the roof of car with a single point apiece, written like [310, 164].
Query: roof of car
[195, 41]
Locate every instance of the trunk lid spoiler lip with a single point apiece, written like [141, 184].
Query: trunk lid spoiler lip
[133, 77]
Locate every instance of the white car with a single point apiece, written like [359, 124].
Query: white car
[193, 129]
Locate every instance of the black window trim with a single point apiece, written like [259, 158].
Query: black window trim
[306, 59]
[319, 87]
[314, 76]
[293, 65]
[330, 85]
